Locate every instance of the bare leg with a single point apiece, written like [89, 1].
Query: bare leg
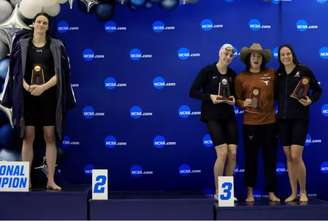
[51, 155]
[292, 174]
[250, 196]
[221, 155]
[27, 147]
[231, 161]
[296, 153]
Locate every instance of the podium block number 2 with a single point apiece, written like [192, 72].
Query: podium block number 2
[99, 184]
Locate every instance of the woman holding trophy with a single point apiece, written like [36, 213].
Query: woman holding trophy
[297, 88]
[254, 93]
[39, 91]
[214, 86]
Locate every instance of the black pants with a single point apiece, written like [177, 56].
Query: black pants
[258, 137]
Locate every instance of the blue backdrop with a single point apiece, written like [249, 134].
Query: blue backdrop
[132, 75]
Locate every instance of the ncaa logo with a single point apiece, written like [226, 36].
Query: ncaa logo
[135, 54]
[308, 140]
[183, 53]
[324, 167]
[159, 82]
[276, 2]
[275, 52]
[110, 83]
[254, 24]
[88, 169]
[110, 27]
[136, 170]
[88, 112]
[135, 112]
[324, 110]
[184, 111]
[62, 26]
[323, 53]
[88, 54]
[184, 170]
[206, 24]
[207, 141]
[66, 141]
[110, 141]
[158, 26]
[159, 141]
[281, 168]
[301, 25]
[322, 1]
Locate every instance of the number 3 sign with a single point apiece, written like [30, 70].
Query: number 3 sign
[226, 191]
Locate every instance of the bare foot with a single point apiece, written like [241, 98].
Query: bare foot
[53, 186]
[250, 198]
[273, 197]
[291, 198]
[303, 197]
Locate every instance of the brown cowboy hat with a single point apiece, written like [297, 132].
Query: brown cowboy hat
[255, 47]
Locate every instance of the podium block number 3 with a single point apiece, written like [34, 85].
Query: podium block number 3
[227, 188]
[225, 191]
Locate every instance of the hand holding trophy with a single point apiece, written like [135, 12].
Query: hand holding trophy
[224, 92]
[37, 80]
[37, 75]
[301, 89]
[252, 103]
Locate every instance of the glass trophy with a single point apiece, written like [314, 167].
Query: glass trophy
[37, 75]
[301, 89]
[255, 101]
[224, 90]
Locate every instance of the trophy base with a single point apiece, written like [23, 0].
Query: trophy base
[253, 110]
[297, 97]
[225, 99]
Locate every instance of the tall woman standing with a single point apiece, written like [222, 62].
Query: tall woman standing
[217, 109]
[297, 89]
[39, 92]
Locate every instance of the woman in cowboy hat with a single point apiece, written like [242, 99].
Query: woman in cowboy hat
[255, 94]
[294, 80]
[214, 87]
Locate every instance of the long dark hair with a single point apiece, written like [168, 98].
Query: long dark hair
[248, 63]
[295, 60]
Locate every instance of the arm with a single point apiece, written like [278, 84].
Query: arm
[37, 90]
[69, 100]
[316, 90]
[7, 93]
[240, 99]
[196, 90]
[238, 93]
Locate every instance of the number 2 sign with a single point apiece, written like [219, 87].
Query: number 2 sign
[99, 184]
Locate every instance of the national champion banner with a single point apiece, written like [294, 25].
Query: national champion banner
[14, 176]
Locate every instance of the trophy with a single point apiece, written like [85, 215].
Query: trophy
[301, 89]
[224, 90]
[255, 99]
[37, 75]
